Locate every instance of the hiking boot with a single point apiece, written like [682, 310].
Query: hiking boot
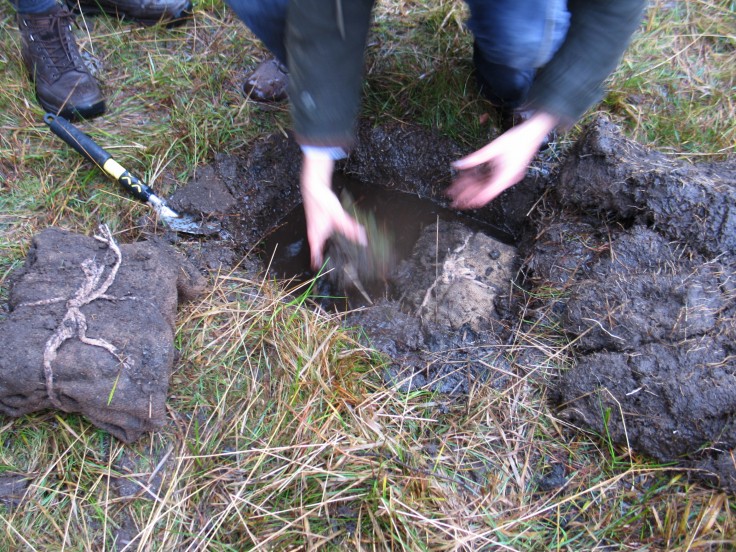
[64, 85]
[267, 82]
[146, 12]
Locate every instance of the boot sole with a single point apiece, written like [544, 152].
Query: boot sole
[74, 113]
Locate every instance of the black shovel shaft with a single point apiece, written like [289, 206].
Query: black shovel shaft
[90, 150]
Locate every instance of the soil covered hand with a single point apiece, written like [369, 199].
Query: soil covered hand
[486, 173]
[324, 213]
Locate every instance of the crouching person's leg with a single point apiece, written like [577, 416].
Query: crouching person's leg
[514, 38]
[267, 20]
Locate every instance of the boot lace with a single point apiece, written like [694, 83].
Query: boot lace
[54, 31]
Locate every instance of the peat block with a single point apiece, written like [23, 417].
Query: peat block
[641, 250]
[108, 358]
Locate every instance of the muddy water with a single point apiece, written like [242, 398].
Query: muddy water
[401, 215]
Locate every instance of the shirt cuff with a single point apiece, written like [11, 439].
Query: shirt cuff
[333, 153]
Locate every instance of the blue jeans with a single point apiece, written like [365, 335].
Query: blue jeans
[513, 38]
[267, 20]
[33, 6]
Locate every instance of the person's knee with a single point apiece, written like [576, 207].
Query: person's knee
[501, 84]
[522, 35]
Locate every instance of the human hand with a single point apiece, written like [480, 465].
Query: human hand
[492, 169]
[322, 208]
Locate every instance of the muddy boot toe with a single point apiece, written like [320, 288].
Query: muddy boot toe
[267, 83]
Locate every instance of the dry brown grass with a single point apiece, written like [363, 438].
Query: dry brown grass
[282, 434]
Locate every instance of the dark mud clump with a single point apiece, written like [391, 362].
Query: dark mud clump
[628, 251]
[640, 249]
[690, 204]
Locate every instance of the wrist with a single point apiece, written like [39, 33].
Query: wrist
[541, 124]
[316, 171]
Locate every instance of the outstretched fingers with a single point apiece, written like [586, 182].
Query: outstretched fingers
[487, 172]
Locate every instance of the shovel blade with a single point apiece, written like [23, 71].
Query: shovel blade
[185, 224]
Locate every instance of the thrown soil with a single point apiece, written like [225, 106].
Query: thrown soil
[630, 252]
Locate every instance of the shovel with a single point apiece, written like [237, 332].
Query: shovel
[90, 150]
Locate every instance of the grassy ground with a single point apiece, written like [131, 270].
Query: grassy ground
[281, 434]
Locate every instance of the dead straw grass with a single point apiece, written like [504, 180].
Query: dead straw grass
[282, 434]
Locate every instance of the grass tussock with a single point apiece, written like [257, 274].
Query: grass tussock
[282, 434]
[675, 87]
